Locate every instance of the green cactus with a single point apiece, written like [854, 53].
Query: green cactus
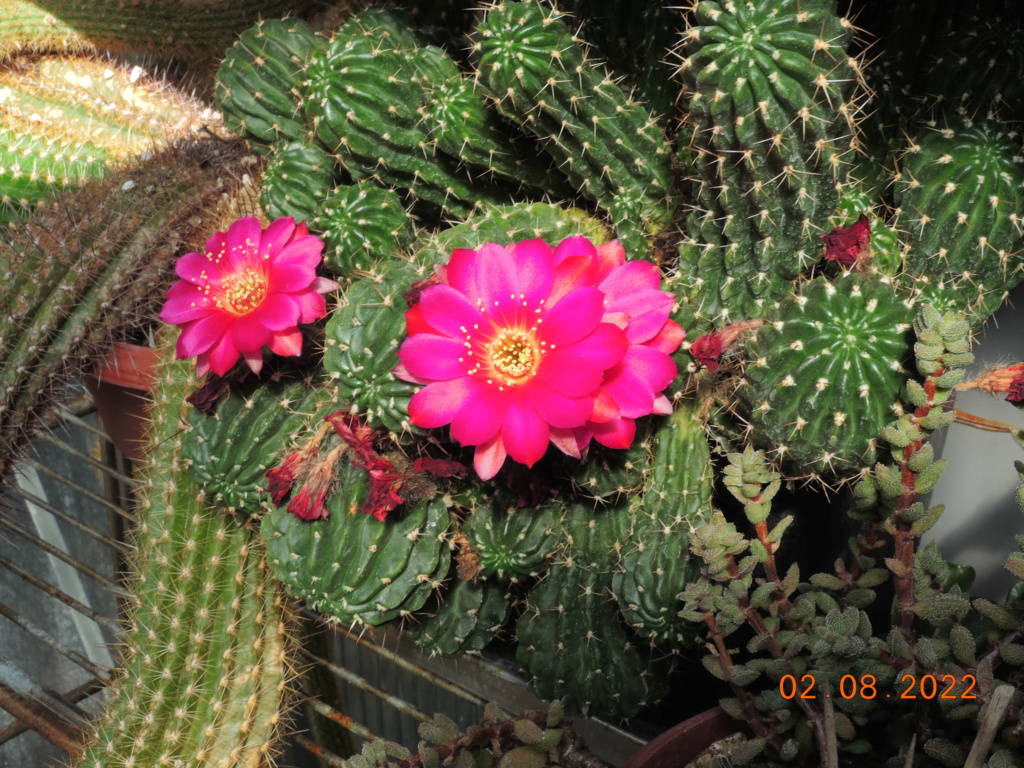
[143, 27]
[259, 82]
[769, 90]
[206, 668]
[361, 225]
[464, 620]
[64, 120]
[230, 450]
[824, 374]
[354, 567]
[961, 194]
[297, 181]
[510, 543]
[610, 146]
[364, 95]
[86, 270]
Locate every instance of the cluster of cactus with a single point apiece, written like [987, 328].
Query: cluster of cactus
[828, 670]
[398, 141]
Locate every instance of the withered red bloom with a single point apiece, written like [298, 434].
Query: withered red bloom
[309, 503]
[846, 245]
[439, 467]
[281, 478]
[708, 350]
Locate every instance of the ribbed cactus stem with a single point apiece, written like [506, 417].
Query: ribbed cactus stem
[160, 29]
[87, 268]
[204, 676]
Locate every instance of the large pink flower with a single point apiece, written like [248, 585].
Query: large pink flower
[521, 346]
[252, 288]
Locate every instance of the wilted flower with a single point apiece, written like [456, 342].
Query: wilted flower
[996, 381]
[251, 288]
[521, 346]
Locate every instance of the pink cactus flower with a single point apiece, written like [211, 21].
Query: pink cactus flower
[528, 345]
[252, 288]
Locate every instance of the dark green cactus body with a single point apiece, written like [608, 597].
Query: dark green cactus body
[361, 225]
[824, 374]
[231, 449]
[353, 566]
[961, 195]
[768, 86]
[656, 563]
[364, 94]
[609, 146]
[296, 181]
[884, 253]
[571, 639]
[362, 340]
[512, 543]
[465, 620]
[464, 127]
[258, 88]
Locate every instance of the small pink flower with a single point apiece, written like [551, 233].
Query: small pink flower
[252, 288]
[521, 346]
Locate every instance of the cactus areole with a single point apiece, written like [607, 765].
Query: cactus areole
[528, 344]
[251, 288]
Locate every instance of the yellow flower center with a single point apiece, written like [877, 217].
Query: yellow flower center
[243, 291]
[514, 353]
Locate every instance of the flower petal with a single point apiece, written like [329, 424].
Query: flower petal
[634, 383]
[631, 277]
[311, 305]
[448, 311]
[254, 360]
[198, 336]
[578, 369]
[278, 312]
[438, 358]
[300, 253]
[555, 408]
[223, 355]
[286, 343]
[534, 270]
[459, 273]
[436, 404]
[197, 268]
[481, 416]
[524, 432]
[275, 236]
[184, 304]
[668, 339]
[249, 335]
[576, 245]
[573, 317]
[489, 457]
[497, 280]
[618, 433]
[243, 243]
[573, 272]
[610, 256]
[286, 277]
[647, 310]
[565, 441]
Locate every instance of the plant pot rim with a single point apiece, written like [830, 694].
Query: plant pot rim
[126, 365]
[682, 743]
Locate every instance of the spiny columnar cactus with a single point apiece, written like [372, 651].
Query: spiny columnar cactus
[64, 120]
[297, 180]
[610, 146]
[259, 82]
[204, 674]
[198, 31]
[769, 89]
[85, 269]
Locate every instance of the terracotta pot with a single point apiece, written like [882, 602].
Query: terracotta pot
[119, 384]
[682, 743]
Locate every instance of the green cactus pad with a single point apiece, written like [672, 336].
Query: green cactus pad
[656, 563]
[296, 181]
[513, 543]
[465, 620]
[824, 374]
[961, 194]
[362, 224]
[258, 86]
[353, 566]
[362, 340]
[231, 449]
[609, 145]
[769, 86]
[571, 639]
